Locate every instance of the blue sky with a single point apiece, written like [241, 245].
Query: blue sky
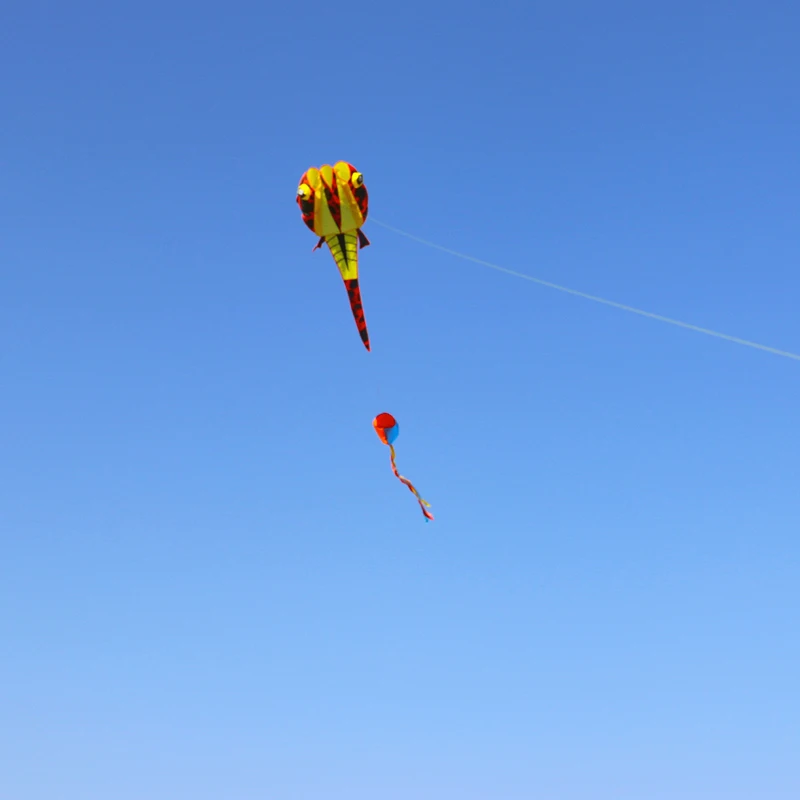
[211, 585]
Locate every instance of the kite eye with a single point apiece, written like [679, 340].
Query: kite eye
[357, 178]
[303, 192]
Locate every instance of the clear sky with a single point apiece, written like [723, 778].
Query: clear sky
[212, 586]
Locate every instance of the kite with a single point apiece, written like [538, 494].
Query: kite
[333, 201]
[387, 429]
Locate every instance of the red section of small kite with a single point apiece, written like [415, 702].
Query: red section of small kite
[387, 429]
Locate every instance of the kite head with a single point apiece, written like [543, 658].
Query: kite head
[386, 427]
[333, 199]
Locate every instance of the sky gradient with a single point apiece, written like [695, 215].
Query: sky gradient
[211, 585]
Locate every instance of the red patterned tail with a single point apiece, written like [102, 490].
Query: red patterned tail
[354, 294]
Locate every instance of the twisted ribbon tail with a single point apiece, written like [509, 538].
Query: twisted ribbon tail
[423, 504]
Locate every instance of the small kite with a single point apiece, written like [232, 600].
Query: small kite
[334, 203]
[387, 429]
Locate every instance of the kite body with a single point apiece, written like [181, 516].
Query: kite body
[387, 429]
[334, 203]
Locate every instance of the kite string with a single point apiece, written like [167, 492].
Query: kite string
[593, 298]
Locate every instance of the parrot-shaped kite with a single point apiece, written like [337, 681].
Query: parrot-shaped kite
[387, 429]
[334, 203]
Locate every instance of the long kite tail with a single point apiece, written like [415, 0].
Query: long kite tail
[423, 504]
[344, 249]
[354, 295]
